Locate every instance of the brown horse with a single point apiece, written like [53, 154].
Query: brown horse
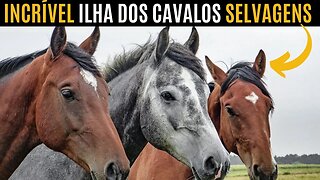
[58, 97]
[240, 112]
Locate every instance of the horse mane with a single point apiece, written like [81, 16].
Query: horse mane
[244, 71]
[126, 60]
[176, 52]
[10, 65]
[85, 61]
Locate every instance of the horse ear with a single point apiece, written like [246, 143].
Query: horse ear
[58, 41]
[193, 42]
[217, 74]
[162, 43]
[90, 44]
[260, 63]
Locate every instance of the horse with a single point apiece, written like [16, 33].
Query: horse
[159, 95]
[239, 107]
[58, 97]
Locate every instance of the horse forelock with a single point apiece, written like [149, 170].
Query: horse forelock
[83, 59]
[184, 57]
[244, 71]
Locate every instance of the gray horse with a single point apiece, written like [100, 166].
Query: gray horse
[158, 95]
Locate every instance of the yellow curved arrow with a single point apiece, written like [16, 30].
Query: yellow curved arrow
[279, 65]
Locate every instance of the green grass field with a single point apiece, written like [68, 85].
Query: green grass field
[285, 172]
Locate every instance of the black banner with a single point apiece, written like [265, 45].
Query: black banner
[173, 13]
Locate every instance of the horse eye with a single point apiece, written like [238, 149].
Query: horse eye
[230, 111]
[167, 96]
[67, 94]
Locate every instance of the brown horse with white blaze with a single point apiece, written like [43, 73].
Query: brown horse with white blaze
[58, 97]
[239, 107]
[243, 124]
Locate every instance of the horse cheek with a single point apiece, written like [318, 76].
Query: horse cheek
[50, 130]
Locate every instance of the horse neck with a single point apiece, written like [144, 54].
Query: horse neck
[18, 130]
[125, 109]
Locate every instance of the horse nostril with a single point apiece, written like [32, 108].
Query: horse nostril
[275, 173]
[227, 167]
[125, 174]
[112, 171]
[256, 171]
[211, 166]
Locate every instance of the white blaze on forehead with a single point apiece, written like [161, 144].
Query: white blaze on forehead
[89, 78]
[252, 98]
[188, 81]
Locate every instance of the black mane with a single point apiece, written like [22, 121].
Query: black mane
[244, 71]
[184, 57]
[84, 60]
[176, 52]
[10, 65]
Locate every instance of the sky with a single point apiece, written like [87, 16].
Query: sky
[295, 123]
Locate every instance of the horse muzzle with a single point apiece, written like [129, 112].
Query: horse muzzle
[111, 172]
[258, 174]
[212, 170]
